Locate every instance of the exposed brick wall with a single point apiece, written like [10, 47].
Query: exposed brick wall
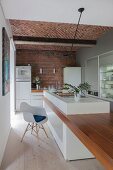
[47, 60]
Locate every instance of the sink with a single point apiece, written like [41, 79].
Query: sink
[65, 94]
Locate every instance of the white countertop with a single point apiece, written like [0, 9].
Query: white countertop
[84, 106]
[70, 99]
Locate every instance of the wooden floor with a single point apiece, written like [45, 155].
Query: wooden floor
[38, 153]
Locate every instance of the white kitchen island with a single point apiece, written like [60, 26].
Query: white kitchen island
[70, 146]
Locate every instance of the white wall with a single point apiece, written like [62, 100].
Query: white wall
[91, 73]
[12, 80]
[4, 100]
[104, 44]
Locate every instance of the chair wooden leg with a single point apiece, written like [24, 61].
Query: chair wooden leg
[32, 128]
[25, 132]
[37, 129]
[45, 131]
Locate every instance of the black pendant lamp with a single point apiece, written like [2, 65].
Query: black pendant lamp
[80, 10]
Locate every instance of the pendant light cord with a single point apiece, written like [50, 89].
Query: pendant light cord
[79, 10]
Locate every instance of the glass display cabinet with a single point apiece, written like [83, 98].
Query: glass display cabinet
[106, 82]
[99, 74]
[106, 75]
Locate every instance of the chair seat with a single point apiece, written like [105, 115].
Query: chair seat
[39, 118]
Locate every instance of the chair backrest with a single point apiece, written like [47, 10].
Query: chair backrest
[24, 107]
[27, 114]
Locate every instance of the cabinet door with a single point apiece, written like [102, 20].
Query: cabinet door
[23, 90]
[18, 102]
[26, 90]
[18, 90]
[35, 96]
[72, 75]
[37, 102]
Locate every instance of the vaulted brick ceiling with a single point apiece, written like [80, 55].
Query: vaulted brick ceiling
[26, 29]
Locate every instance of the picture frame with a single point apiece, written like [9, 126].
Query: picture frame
[5, 62]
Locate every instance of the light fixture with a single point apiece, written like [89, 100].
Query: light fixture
[54, 70]
[80, 10]
[41, 70]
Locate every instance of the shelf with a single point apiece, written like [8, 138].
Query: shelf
[107, 72]
[107, 80]
[106, 88]
[107, 99]
[109, 83]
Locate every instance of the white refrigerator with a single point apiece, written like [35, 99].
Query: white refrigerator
[72, 75]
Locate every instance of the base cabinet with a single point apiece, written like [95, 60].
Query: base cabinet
[18, 102]
[23, 90]
[35, 99]
[36, 102]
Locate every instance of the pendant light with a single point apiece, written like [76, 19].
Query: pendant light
[80, 10]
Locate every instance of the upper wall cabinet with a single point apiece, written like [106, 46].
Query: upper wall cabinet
[72, 75]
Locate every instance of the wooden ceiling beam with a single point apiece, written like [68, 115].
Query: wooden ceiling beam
[55, 40]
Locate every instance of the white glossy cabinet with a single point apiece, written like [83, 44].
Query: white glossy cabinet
[18, 102]
[24, 94]
[23, 90]
[37, 99]
[72, 75]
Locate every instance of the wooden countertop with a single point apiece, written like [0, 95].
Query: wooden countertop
[95, 131]
[36, 91]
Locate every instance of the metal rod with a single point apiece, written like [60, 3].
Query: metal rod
[79, 10]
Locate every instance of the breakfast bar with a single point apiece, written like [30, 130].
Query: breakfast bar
[76, 130]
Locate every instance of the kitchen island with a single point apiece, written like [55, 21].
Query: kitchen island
[70, 145]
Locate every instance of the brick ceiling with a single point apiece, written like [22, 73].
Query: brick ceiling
[54, 30]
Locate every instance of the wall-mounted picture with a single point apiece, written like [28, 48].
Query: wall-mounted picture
[5, 62]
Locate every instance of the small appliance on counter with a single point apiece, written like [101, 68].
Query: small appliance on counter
[94, 93]
[33, 85]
